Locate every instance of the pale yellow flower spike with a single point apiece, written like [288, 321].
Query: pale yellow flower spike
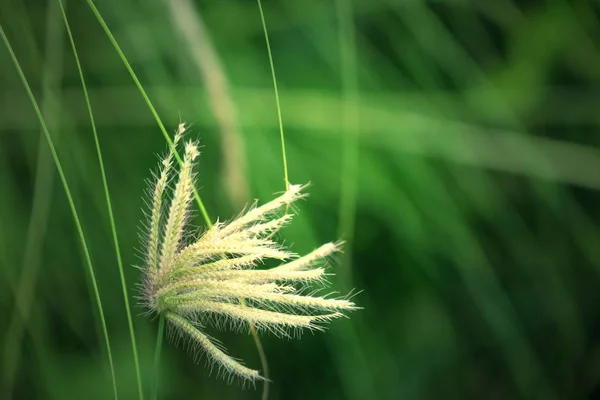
[178, 212]
[157, 195]
[211, 279]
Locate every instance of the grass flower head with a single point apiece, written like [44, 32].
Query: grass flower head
[211, 277]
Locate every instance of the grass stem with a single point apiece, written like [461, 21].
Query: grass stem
[147, 100]
[70, 201]
[157, 352]
[277, 102]
[108, 205]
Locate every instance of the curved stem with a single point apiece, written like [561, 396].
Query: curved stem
[108, 204]
[147, 100]
[71, 205]
[263, 361]
[157, 351]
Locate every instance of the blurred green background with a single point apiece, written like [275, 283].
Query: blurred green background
[468, 129]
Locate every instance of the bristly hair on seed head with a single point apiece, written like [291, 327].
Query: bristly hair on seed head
[211, 278]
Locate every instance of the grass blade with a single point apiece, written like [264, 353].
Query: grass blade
[147, 100]
[157, 352]
[169, 141]
[69, 199]
[25, 289]
[263, 357]
[108, 204]
[350, 122]
[189, 22]
[283, 153]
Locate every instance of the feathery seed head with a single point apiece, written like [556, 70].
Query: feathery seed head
[212, 278]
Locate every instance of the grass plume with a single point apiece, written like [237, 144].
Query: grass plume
[194, 279]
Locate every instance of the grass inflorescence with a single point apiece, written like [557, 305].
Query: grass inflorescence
[197, 278]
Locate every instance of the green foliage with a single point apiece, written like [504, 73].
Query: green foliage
[466, 131]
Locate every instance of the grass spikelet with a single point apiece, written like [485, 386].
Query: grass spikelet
[157, 196]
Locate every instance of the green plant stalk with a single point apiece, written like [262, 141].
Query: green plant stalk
[157, 351]
[277, 102]
[108, 204]
[147, 100]
[179, 160]
[70, 201]
[24, 291]
[263, 357]
[170, 143]
[351, 132]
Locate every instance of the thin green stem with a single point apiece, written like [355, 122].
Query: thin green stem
[263, 357]
[167, 138]
[263, 361]
[264, 25]
[24, 291]
[108, 204]
[347, 207]
[261, 354]
[157, 351]
[147, 100]
[70, 201]
[179, 160]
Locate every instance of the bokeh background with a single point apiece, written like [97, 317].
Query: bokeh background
[453, 143]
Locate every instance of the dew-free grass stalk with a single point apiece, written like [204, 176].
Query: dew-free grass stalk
[146, 99]
[263, 358]
[171, 146]
[277, 102]
[157, 351]
[70, 201]
[157, 118]
[347, 206]
[24, 290]
[163, 131]
[108, 204]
